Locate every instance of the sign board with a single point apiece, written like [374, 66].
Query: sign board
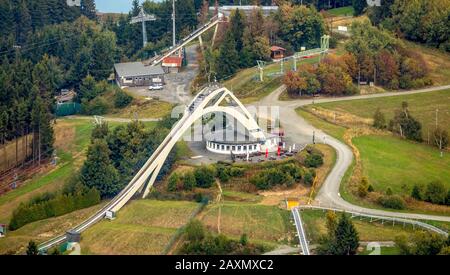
[302, 49]
[342, 28]
[156, 80]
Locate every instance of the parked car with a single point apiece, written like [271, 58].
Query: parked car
[155, 86]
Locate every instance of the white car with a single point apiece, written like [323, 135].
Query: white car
[155, 86]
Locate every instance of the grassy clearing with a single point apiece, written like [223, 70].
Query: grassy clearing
[231, 195]
[422, 106]
[40, 231]
[329, 128]
[142, 227]
[343, 11]
[315, 226]
[261, 223]
[395, 163]
[144, 109]
[388, 161]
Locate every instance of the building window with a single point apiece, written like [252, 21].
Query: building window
[228, 147]
[234, 148]
[239, 148]
[222, 147]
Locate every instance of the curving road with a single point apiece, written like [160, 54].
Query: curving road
[299, 130]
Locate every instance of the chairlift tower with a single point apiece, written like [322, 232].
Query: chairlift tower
[142, 17]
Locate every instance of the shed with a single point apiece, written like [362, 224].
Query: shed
[277, 52]
[172, 64]
[134, 74]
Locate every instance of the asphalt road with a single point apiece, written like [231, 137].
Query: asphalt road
[299, 130]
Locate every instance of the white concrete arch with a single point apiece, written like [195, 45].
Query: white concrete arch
[206, 102]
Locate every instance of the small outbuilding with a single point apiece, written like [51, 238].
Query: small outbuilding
[172, 64]
[134, 74]
[277, 52]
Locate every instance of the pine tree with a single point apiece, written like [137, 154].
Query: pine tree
[39, 13]
[100, 131]
[346, 240]
[7, 23]
[23, 19]
[88, 89]
[32, 249]
[43, 137]
[228, 57]
[237, 26]
[98, 171]
[103, 53]
[88, 9]
[136, 8]
[359, 6]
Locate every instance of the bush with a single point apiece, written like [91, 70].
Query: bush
[189, 181]
[52, 206]
[393, 202]
[260, 182]
[173, 182]
[97, 106]
[363, 187]
[379, 121]
[122, 99]
[389, 191]
[236, 172]
[293, 170]
[416, 193]
[204, 176]
[195, 231]
[309, 178]
[313, 161]
[223, 173]
[436, 193]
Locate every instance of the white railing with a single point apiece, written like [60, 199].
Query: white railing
[379, 217]
[300, 231]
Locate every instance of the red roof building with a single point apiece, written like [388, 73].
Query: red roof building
[277, 52]
[172, 63]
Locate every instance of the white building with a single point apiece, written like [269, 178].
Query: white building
[227, 141]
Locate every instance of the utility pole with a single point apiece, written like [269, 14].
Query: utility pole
[173, 24]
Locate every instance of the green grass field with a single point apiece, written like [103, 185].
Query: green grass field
[261, 223]
[145, 109]
[395, 163]
[422, 106]
[343, 11]
[142, 227]
[329, 128]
